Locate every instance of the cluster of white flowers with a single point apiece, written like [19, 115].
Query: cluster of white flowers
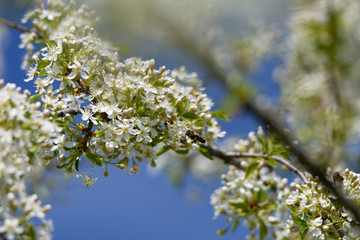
[314, 209]
[127, 108]
[320, 79]
[255, 193]
[25, 135]
[252, 144]
[258, 198]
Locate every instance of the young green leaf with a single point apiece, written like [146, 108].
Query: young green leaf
[77, 164]
[251, 168]
[94, 158]
[262, 195]
[205, 153]
[271, 162]
[221, 115]
[303, 232]
[264, 143]
[43, 64]
[51, 43]
[190, 115]
[235, 224]
[243, 206]
[221, 232]
[297, 220]
[262, 229]
[162, 150]
[62, 166]
[182, 151]
[34, 98]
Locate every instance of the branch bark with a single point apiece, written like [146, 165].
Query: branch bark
[231, 158]
[268, 117]
[14, 25]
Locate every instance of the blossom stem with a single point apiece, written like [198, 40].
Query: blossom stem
[229, 158]
[341, 234]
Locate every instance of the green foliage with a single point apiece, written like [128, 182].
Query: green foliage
[205, 153]
[94, 158]
[251, 168]
[221, 115]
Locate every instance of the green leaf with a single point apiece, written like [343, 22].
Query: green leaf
[205, 153]
[240, 205]
[62, 166]
[262, 195]
[303, 232]
[43, 63]
[91, 77]
[182, 151]
[162, 150]
[94, 158]
[77, 164]
[190, 115]
[262, 229]
[51, 43]
[182, 106]
[34, 98]
[221, 115]
[298, 220]
[251, 168]
[42, 72]
[277, 151]
[28, 124]
[271, 162]
[286, 155]
[264, 143]
[222, 232]
[235, 224]
[34, 148]
[29, 233]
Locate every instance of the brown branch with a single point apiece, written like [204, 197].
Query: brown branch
[225, 156]
[229, 158]
[14, 25]
[341, 234]
[268, 117]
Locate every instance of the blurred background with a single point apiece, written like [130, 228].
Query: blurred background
[172, 202]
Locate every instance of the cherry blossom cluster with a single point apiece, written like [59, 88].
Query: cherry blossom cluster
[25, 135]
[127, 107]
[318, 212]
[253, 193]
[258, 199]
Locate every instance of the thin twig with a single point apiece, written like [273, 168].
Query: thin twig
[14, 25]
[341, 234]
[290, 166]
[225, 156]
[229, 158]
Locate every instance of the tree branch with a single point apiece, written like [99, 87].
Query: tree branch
[268, 117]
[14, 25]
[341, 234]
[229, 158]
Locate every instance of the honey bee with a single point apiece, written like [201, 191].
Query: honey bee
[194, 136]
[337, 178]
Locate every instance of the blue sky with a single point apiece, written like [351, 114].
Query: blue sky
[129, 207]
